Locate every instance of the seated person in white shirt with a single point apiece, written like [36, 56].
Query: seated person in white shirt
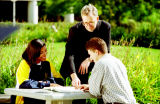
[108, 77]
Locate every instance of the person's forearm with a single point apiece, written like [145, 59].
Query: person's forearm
[89, 59]
[72, 68]
[109, 39]
[75, 79]
[73, 76]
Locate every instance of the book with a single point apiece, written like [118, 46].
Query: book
[63, 89]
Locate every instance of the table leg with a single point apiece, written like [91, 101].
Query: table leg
[48, 102]
[61, 102]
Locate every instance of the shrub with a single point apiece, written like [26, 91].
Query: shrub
[7, 79]
[144, 34]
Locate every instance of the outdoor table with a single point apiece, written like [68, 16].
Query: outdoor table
[51, 97]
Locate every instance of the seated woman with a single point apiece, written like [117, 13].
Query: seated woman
[35, 71]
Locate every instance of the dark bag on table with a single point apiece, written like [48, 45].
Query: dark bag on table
[30, 84]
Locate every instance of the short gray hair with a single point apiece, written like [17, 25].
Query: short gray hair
[89, 9]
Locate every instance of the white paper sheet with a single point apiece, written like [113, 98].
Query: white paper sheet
[63, 89]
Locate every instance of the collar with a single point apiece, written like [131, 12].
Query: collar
[39, 63]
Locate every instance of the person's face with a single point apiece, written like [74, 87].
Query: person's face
[43, 54]
[90, 22]
[93, 55]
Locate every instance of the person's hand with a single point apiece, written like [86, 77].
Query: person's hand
[84, 66]
[84, 87]
[75, 80]
[54, 85]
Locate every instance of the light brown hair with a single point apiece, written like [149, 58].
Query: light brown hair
[89, 9]
[96, 43]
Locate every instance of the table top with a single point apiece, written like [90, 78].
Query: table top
[48, 95]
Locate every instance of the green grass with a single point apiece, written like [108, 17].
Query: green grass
[143, 71]
[142, 65]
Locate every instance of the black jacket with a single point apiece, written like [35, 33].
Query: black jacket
[39, 73]
[75, 52]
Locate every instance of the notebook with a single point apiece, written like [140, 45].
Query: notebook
[63, 89]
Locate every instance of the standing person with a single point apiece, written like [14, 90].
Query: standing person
[109, 75]
[35, 71]
[76, 62]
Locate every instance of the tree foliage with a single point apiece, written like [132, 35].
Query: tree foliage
[110, 10]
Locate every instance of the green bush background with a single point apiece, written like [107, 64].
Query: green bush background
[143, 34]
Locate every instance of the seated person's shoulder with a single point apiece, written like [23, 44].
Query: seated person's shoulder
[48, 61]
[104, 62]
[101, 64]
[24, 63]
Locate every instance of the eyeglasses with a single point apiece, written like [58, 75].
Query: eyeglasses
[88, 23]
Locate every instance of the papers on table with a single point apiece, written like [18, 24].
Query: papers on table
[63, 89]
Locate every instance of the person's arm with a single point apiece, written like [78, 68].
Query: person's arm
[22, 73]
[70, 50]
[70, 46]
[84, 66]
[75, 80]
[95, 80]
[107, 34]
[84, 87]
[68, 65]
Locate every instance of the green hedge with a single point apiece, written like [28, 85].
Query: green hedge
[143, 34]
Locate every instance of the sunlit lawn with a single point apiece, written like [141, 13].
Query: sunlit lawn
[142, 66]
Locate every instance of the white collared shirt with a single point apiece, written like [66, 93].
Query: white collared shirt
[109, 79]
